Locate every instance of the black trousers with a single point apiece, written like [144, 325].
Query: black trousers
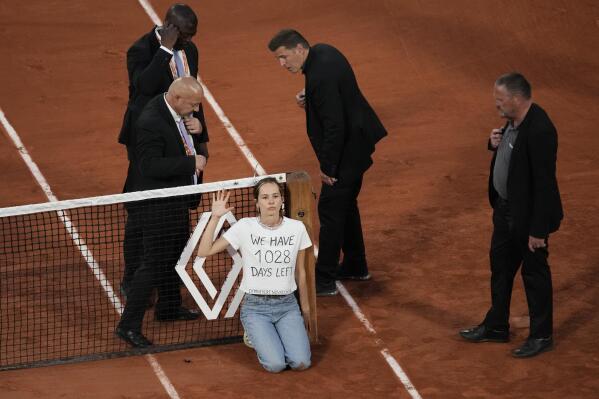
[509, 250]
[133, 248]
[133, 240]
[340, 229]
[164, 230]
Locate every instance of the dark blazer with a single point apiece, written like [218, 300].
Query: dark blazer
[534, 198]
[150, 75]
[342, 127]
[162, 161]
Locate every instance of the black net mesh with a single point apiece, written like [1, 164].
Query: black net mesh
[66, 276]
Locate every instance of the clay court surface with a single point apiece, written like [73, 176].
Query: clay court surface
[427, 67]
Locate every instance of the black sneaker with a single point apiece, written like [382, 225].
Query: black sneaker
[326, 291]
[355, 277]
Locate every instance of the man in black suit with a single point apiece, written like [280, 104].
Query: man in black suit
[343, 130]
[153, 62]
[527, 208]
[167, 157]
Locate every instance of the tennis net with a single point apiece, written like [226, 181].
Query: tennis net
[65, 268]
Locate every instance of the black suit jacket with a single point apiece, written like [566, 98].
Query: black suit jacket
[149, 76]
[342, 126]
[162, 161]
[533, 193]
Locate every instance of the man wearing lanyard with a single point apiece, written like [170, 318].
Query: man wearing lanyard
[153, 63]
[167, 158]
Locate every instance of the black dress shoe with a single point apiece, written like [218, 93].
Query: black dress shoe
[483, 334]
[133, 338]
[533, 346]
[179, 314]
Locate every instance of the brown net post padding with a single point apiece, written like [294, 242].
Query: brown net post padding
[301, 204]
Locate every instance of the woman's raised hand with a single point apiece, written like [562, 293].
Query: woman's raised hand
[219, 203]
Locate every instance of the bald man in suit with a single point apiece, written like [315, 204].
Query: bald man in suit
[153, 63]
[167, 157]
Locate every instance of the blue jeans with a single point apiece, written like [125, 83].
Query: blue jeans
[275, 326]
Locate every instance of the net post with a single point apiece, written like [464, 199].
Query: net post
[301, 203]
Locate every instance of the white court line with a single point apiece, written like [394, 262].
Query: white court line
[166, 383]
[80, 243]
[249, 156]
[72, 230]
[260, 171]
[232, 132]
[385, 352]
[150, 11]
[256, 167]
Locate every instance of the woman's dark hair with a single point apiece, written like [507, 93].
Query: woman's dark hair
[264, 181]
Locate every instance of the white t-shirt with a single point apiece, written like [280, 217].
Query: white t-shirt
[269, 256]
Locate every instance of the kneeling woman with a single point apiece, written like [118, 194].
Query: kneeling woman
[271, 246]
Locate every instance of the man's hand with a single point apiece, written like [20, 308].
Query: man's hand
[169, 35]
[192, 124]
[495, 137]
[200, 163]
[329, 181]
[534, 243]
[300, 98]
